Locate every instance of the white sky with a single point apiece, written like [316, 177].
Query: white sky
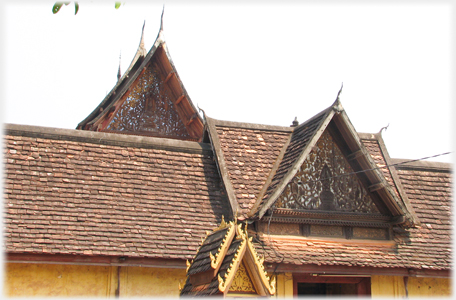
[245, 62]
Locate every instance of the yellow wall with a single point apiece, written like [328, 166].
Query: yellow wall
[418, 286]
[284, 285]
[97, 281]
[140, 281]
[393, 286]
[387, 286]
[101, 281]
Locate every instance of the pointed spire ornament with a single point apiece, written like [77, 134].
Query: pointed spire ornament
[142, 49]
[340, 91]
[161, 19]
[119, 73]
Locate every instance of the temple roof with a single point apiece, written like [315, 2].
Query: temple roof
[93, 193]
[424, 247]
[149, 99]
[258, 161]
[144, 177]
[98, 177]
[225, 253]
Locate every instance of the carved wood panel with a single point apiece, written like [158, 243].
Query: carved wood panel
[320, 184]
[241, 281]
[148, 109]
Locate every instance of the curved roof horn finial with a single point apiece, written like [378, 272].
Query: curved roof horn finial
[161, 20]
[340, 91]
[141, 43]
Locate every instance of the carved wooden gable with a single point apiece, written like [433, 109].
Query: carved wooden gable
[242, 283]
[148, 109]
[149, 100]
[326, 182]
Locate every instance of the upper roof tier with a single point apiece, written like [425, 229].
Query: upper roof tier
[149, 99]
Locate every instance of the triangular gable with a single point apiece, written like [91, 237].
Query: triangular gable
[335, 123]
[326, 182]
[149, 99]
[227, 263]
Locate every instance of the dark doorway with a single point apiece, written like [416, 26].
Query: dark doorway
[329, 289]
[331, 286]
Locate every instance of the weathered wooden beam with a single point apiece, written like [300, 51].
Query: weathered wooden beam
[192, 118]
[376, 187]
[355, 155]
[181, 97]
[94, 260]
[169, 76]
[357, 271]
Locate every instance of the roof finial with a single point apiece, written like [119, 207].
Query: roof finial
[161, 21]
[338, 94]
[384, 127]
[201, 110]
[119, 73]
[141, 43]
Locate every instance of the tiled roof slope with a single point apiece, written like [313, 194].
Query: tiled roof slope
[299, 140]
[249, 156]
[212, 288]
[376, 147]
[427, 246]
[373, 147]
[88, 193]
[211, 244]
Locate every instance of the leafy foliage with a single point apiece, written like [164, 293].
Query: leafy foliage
[58, 5]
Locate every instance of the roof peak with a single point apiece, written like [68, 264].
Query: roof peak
[141, 48]
[337, 105]
[161, 19]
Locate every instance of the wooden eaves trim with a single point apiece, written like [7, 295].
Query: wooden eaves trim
[327, 270]
[88, 260]
[220, 160]
[410, 211]
[379, 184]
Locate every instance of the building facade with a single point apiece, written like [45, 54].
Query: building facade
[134, 202]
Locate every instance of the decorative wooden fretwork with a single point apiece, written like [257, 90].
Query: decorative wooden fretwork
[148, 109]
[322, 183]
[241, 281]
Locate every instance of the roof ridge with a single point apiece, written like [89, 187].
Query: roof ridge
[424, 165]
[106, 138]
[257, 126]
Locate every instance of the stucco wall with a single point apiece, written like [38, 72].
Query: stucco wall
[393, 286]
[284, 285]
[96, 281]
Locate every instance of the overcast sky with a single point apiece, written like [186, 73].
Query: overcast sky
[250, 62]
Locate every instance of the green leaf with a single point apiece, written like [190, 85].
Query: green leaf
[117, 5]
[76, 7]
[57, 6]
